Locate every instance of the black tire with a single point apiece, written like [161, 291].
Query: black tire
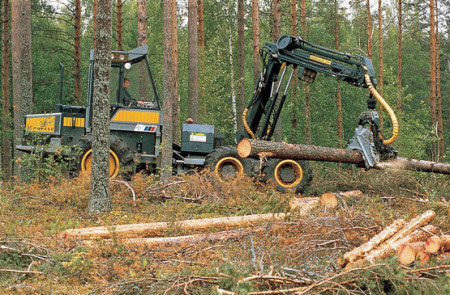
[288, 174]
[117, 145]
[225, 164]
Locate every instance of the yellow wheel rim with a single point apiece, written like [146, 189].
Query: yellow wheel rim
[228, 166]
[86, 163]
[288, 173]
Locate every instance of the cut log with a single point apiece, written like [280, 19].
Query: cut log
[422, 258]
[181, 240]
[394, 243]
[329, 200]
[351, 194]
[435, 243]
[303, 205]
[148, 229]
[374, 242]
[261, 148]
[407, 253]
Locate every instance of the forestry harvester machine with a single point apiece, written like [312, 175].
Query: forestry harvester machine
[136, 122]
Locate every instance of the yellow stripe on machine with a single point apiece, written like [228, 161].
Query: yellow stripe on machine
[321, 60]
[136, 116]
[41, 124]
[68, 122]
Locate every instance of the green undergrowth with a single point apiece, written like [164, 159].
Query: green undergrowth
[34, 258]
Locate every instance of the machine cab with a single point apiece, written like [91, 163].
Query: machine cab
[131, 84]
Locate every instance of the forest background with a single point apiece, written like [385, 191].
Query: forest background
[415, 81]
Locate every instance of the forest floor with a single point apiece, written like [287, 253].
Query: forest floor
[299, 252]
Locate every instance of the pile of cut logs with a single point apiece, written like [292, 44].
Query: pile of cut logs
[413, 241]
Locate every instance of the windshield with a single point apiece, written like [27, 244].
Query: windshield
[136, 88]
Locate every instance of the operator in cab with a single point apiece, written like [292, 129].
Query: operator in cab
[128, 100]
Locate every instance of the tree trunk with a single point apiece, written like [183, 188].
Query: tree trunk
[255, 27]
[77, 53]
[441, 142]
[295, 106]
[380, 60]
[278, 132]
[193, 105]
[158, 228]
[99, 198]
[261, 148]
[94, 24]
[119, 25]
[6, 115]
[369, 31]
[433, 75]
[22, 71]
[338, 89]
[233, 87]
[176, 103]
[169, 93]
[201, 27]
[306, 86]
[399, 57]
[241, 65]
[142, 40]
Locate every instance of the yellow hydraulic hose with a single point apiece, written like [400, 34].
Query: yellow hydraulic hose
[386, 107]
[247, 128]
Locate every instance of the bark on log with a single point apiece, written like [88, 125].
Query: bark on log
[374, 242]
[351, 194]
[147, 229]
[261, 148]
[173, 241]
[435, 243]
[303, 205]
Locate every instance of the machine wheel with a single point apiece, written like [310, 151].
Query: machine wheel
[120, 157]
[225, 163]
[288, 174]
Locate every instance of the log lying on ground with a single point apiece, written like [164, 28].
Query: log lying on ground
[261, 148]
[329, 200]
[392, 245]
[422, 258]
[303, 205]
[179, 240]
[435, 243]
[148, 229]
[390, 239]
[374, 242]
[407, 253]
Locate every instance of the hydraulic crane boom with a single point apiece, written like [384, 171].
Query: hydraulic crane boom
[280, 62]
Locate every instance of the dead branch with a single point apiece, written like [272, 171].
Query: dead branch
[127, 185]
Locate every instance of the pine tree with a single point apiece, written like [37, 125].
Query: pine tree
[99, 198]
